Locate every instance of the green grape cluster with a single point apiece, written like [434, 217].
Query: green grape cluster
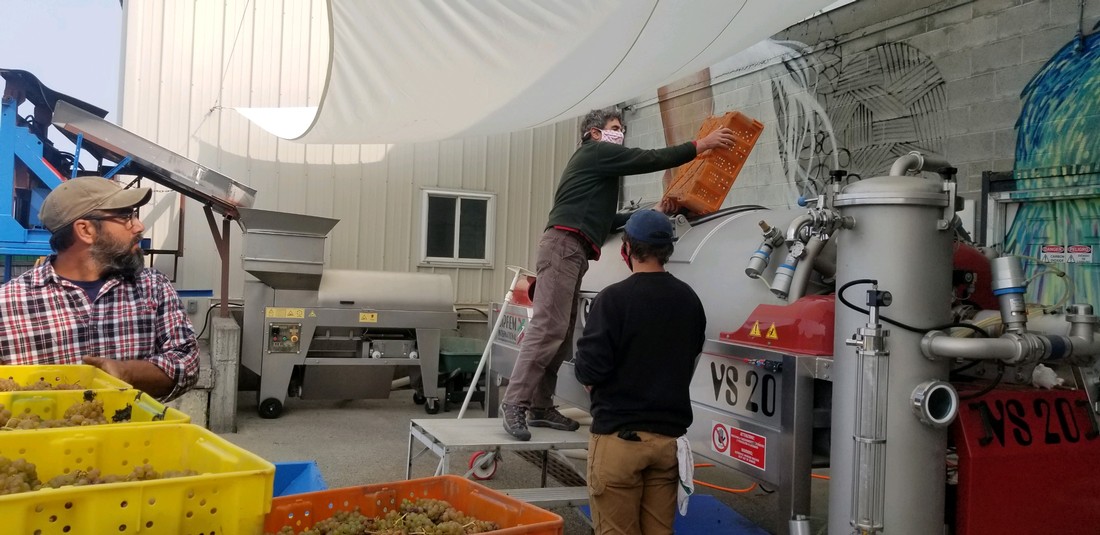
[86, 413]
[83, 413]
[17, 476]
[421, 517]
[20, 476]
[11, 385]
[42, 384]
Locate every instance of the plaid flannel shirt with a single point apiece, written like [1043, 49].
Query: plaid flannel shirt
[45, 319]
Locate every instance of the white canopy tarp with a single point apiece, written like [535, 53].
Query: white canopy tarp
[421, 70]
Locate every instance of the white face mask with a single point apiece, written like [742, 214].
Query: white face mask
[612, 136]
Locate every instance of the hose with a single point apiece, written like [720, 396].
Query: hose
[805, 268]
[716, 487]
[910, 328]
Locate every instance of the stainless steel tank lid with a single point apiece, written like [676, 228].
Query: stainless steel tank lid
[894, 190]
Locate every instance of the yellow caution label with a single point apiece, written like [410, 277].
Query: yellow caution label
[773, 334]
[755, 330]
[313, 313]
[288, 313]
[368, 317]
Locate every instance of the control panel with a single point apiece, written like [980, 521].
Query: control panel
[284, 337]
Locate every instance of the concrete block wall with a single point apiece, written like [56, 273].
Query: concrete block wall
[858, 69]
[196, 402]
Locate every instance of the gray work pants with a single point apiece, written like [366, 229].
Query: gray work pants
[548, 338]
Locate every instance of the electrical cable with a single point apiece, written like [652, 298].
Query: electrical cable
[749, 488]
[206, 322]
[966, 366]
[849, 284]
[716, 487]
[988, 388]
[482, 312]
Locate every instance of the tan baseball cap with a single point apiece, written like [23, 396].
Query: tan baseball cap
[80, 196]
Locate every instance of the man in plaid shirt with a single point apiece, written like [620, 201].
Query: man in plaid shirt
[95, 301]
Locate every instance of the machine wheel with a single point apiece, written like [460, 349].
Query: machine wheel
[432, 406]
[419, 398]
[271, 408]
[484, 468]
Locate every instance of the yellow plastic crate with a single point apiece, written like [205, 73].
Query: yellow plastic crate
[81, 374]
[230, 497]
[133, 405]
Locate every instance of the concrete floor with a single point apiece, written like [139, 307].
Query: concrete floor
[366, 441]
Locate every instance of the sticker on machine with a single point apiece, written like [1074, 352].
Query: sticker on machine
[749, 448]
[511, 329]
[719, 437]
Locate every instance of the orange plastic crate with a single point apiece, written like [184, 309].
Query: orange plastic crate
[703, 183]
[301, 511]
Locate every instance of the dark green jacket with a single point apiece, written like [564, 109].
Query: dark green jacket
[589, 188]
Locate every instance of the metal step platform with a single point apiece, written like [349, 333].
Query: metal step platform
[551, 496]
[560, 469]
[444, 438]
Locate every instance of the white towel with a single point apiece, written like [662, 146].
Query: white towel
[687, 474]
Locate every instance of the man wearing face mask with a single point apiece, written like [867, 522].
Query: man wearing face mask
[95, 301]
[636, 358]
[580, 220]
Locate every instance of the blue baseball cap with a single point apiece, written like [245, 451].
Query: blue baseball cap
[649, 226]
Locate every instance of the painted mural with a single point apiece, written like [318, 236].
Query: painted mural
[866, 109]
[859, 110]
[1057, 147]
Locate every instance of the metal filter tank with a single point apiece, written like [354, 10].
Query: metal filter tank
[901, 239]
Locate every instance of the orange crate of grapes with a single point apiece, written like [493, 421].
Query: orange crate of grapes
[703, 183]
[300, 512]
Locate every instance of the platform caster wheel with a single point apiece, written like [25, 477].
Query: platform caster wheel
[271, 408]
[419, 398]
[483, 468]
[432, 406]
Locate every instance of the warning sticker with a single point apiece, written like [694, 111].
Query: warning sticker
[368, 317]
[1079, 253]
[719, 438]
[749, 448]
[772, 333]
[1053, 253]
[288, 313]
[755, 330]
[1072, 254]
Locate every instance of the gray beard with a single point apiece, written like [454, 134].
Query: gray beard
[120, 262]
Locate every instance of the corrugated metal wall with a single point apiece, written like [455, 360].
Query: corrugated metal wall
[185, 64]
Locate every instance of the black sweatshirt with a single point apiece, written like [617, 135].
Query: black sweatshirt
[638, 353]
[589, 189]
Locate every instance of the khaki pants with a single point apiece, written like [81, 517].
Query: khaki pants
[632, 484]
[548, 339]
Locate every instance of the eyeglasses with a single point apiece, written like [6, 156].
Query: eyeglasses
[125, 217]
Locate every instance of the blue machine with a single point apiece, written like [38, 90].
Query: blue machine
[30, 167]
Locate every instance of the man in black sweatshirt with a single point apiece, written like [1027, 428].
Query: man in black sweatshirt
[580, 220]
[636, 357]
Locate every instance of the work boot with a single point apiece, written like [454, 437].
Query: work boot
[515, 421]
[553, 419]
